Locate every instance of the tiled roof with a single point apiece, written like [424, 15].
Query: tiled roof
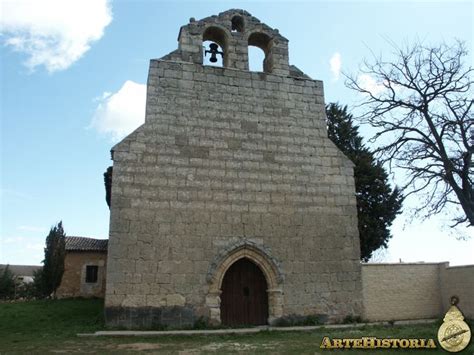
[86, 244]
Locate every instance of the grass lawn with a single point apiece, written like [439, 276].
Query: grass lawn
[51, 326]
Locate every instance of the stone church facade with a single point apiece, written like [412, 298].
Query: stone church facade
[230, 203]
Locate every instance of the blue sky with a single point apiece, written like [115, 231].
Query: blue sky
[72, 83]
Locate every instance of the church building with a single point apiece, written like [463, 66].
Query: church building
[230, 204]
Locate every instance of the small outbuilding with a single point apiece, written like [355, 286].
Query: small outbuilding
[84, 268]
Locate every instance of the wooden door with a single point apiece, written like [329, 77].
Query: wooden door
[244, 298]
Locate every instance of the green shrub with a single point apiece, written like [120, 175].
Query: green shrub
[352, 319]
[7, 284]
[294, 320]
[201, 323]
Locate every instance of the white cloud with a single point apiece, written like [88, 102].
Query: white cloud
[368, 83]
[32, 229]
[13, 240]
[335, 64]
[118, 114]
[53, 33]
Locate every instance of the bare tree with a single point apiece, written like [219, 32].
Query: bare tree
[421, 105]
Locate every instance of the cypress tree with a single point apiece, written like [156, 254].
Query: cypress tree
[54, 254]
[108, 184]
[377, 203]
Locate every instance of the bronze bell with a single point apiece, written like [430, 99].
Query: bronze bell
[214, 52]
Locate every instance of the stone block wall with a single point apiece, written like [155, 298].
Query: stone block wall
[458, 281]
[73, 283]
[229, 157]
[401, 291]
[415, 290]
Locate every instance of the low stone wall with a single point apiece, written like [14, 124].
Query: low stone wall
[415, 290]
[459, 281]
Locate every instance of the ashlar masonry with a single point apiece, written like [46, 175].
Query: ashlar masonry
[230, 204]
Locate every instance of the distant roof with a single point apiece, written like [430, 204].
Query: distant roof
[86, 244]
[22, 270]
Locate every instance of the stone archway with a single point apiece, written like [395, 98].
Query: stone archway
[264, 262]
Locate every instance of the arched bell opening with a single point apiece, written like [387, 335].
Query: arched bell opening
[216, 56]
[237, 23]
[264, 42]
[256, 59]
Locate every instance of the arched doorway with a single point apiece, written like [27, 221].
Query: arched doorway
[266, 265]
[244, 298]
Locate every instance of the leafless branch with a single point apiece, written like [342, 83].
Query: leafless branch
[422, 105]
